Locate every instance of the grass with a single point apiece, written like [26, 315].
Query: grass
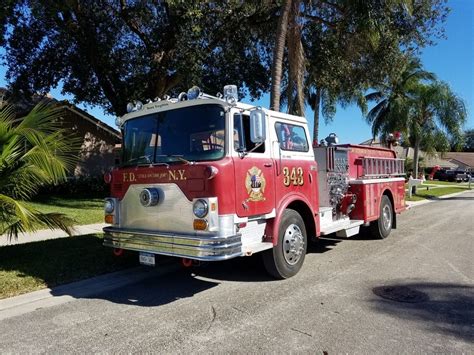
[33, 266]
[83, 211]
[436, 182]
[424, 192]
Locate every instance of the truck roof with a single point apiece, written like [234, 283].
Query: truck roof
[173, 104]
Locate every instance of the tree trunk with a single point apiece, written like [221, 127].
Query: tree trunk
[296, 60]
[277, 65]
[317, 104]
[416, 158]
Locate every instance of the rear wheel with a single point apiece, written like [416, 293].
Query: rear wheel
[382, 227]
[287, 257]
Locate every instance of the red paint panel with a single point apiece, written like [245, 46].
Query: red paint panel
[288, 187]
[369, 196]
[254, 186]
[191, 179]
[360, 206]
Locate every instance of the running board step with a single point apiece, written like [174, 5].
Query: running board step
[343, 228]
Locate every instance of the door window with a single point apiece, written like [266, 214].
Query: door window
[242, 142]
[291, 137]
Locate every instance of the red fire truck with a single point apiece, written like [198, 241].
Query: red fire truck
[210, 178]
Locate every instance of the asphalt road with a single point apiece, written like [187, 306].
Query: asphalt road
[332, 305]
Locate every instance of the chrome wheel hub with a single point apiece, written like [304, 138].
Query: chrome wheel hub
[293, 244]
[387, 217]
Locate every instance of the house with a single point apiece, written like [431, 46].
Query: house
[98, 140]
[462, 160]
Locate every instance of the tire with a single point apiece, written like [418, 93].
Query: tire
[381, 228]
[287, 257]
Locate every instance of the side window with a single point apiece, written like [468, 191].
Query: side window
[242, 135]
[291, 137]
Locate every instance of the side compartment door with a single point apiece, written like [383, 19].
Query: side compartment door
[254, 172]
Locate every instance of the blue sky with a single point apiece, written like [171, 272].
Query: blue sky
[452, 60]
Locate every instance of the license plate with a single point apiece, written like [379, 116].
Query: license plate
[147, 259]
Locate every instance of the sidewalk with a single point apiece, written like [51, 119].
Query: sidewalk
[46, 234]
[411, 204]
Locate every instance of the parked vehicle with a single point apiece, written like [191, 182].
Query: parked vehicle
[210, 178]
[451, 175]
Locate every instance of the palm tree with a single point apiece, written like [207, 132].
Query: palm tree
[434, 113]
[390, 110]
[34, 151]
[416, 104]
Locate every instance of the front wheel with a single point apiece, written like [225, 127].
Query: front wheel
[287, 257]
[382, 227]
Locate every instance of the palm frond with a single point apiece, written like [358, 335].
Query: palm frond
[374, 96]
[23, 218]
[34, 151]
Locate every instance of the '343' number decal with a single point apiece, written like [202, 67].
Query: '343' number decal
[295, 176]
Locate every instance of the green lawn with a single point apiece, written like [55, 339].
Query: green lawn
[425, 192]
[33, 266]
[83, 211]
[436, 182]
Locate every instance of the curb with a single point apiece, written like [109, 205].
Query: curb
[49, 297]
[424, 202]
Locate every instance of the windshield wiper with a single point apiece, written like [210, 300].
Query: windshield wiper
[146, 157]
[179, 157]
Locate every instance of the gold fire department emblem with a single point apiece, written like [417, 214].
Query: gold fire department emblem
[255, 184]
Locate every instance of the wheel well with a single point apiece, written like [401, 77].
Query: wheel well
[388, 193]
[308, 218]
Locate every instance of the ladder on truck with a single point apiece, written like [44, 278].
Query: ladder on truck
[375, 167]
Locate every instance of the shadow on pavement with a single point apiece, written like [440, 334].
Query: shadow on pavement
[61, 261]
[178, 282]
[158, 290]
[443, 308]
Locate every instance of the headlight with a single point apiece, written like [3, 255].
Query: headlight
[200, 208]
[109, 206]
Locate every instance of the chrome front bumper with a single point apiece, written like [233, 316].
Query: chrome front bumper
[212, 248]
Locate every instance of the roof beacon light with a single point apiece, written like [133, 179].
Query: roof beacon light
[118, 122]
[182, 96]
[231, 94]
[138, 105]
[332, 139]
[194, 93]
[130, 107]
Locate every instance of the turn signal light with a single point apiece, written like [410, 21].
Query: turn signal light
[109, 218]
[200, 224]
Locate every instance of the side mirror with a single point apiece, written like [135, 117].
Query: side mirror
[257, 126]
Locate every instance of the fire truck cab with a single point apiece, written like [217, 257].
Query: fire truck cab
[210, 178]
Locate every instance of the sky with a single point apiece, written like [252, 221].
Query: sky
[451, 59]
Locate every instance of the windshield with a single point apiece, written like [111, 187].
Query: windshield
[194, 133]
